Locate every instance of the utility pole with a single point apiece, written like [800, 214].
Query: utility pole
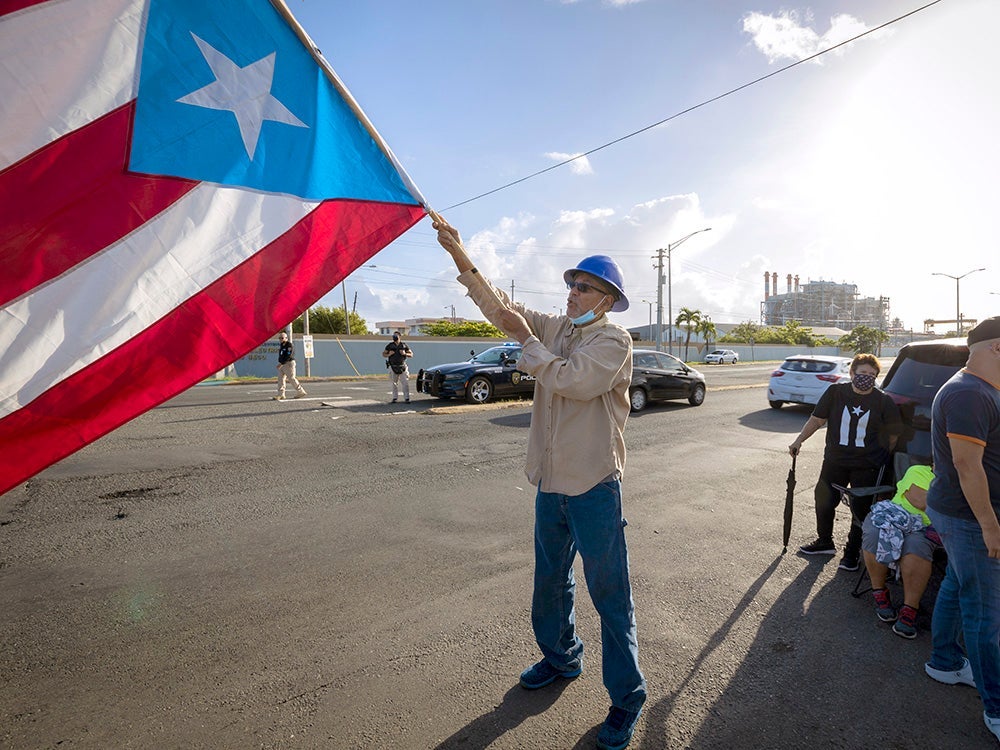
[512, 290]
[659, 300]
[347, 317]
[659, 292]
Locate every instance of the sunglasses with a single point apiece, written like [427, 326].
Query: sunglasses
[583, 287]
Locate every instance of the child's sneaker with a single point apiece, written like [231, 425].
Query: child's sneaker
[906, 625]
[883, 606]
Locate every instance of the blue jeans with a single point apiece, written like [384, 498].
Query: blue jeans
[592, 524]
[968, 603]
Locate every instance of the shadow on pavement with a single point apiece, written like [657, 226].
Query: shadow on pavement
[513, 420]
[518, 704]
[821, 671]
[788, 420]
[658, 714]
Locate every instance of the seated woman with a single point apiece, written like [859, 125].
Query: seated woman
[898, 532]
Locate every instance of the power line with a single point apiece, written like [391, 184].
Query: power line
[693, 107]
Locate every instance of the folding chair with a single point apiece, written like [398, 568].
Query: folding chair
[849, 496]
[900, 463]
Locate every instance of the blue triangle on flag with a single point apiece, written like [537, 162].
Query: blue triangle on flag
[229, 94]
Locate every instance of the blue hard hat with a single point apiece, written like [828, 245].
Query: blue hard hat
[602, 267]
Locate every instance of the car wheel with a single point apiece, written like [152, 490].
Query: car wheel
[775, 404]
[638, 398]
[479, 390]
[697, 397]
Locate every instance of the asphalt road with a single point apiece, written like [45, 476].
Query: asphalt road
[336, 572]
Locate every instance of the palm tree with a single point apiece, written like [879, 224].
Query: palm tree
[689, 319]
[706, 328]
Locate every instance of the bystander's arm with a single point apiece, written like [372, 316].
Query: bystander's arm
[808, 429]
[916, 496]
[968, 459]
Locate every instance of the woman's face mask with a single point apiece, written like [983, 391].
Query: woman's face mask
[863, 381]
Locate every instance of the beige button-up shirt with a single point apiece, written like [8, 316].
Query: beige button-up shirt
[581, 393]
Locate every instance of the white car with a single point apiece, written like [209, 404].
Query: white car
[721, 356]
[803, 378]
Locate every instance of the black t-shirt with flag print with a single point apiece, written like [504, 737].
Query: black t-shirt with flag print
[858, 426]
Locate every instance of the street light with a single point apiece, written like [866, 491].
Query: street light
[650, 331]
[958, 313]
[659, 292]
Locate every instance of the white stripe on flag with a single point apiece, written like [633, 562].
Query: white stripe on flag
[76, 319]
[51, 53]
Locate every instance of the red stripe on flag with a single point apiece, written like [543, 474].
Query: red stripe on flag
[209, 331]
[10, 6]
[71, 199]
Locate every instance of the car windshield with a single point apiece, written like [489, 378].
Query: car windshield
[807, 365]
[496, 355]
[719, 351]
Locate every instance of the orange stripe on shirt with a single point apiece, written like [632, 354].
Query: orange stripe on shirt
[977, 441]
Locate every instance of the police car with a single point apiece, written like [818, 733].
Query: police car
[488, 375]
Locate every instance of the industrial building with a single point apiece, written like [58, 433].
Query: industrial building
[821, 303]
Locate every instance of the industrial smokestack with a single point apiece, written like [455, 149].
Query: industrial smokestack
[788, 284]
[796, 283]
[774, 283]
[766, 277]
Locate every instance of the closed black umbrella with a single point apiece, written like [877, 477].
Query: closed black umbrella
[789, 495]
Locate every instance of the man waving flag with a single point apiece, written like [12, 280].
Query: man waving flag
[179, 179]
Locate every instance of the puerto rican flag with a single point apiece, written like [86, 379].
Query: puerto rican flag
[179, 179]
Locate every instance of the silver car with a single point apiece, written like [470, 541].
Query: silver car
[802, 379]
[721, 356]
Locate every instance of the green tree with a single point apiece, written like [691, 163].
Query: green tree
[744, 333]
[331, 320]
[469, 328]
[689, 319]
[863, 339]
[794, 332]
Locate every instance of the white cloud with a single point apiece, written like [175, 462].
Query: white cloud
[767, 204]
[579, 165]
[785, 37]
[542, 251]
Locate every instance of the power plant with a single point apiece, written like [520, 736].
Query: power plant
[821, 303]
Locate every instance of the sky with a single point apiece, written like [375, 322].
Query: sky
[874, 164]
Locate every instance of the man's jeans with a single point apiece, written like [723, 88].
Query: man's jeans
[968, 602]
[592, 524]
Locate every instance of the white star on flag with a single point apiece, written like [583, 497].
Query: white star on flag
[246, 92]
[858, 411]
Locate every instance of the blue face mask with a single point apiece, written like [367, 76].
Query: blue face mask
[587, 317]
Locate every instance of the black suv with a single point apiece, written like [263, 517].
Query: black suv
[487, 375]
[919, 371]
